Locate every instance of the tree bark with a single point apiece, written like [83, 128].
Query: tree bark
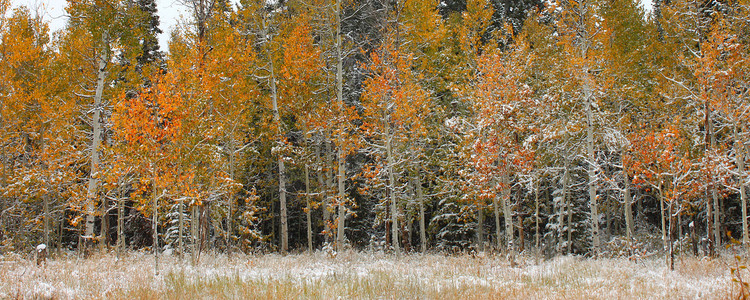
[480, 227]
[154, 232]
[392, 194]
[230, 199]
[740, 158]
[194, 226]
[629, 230]
[712, 242]
[282, 170]
[95, 144]
[309, 209]
[568, 207]
[328, 191]
[663, 221]
[46, 220]
[422, 229]
[537, 236]
[341, 151]
[593, 201]
[120, 221]
[508, 214]
[498, 228]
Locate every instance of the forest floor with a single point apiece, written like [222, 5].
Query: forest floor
[358, 275]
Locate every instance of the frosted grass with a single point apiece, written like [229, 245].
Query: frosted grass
[353, 275]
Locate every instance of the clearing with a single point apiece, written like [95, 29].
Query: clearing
[362, 275]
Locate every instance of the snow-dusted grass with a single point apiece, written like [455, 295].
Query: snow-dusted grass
[352, 275]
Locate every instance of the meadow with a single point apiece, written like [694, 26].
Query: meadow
[363, 275]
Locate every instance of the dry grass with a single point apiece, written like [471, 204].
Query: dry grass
[354, 275]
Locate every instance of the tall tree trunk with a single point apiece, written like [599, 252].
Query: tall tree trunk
[629, 230]
[181, 227]
[563, 210]
[537, 236]
[120, 221]
[422, 229]
[663, 220]
[154, 228]
[740, 159]
[341, 149]
[498, 228]
[712, 242]
[95, 144]
[480, 227]
[669, 236]
[46, 220]
[309, 209]
[593, 201]
[392, 189]
[508, 214]
[568, 208]
[230, 199]
[194, 226]
[104, 228]
[282, 170]
[327, 191]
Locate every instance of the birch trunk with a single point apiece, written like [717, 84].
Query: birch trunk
[341, 151]
[46, 220]
[537, 237]
[593, 201]
[154, 228]
[714, 195]
[628, 210]
[563, 210]
[498, 231]
[95, 144]
[663, 221]
[422, 229]
[309, 209]
[230, 199]
[194, 224]
[743, 194]
[480, 228]
[508, 214]
[392, 186]
[282, 170]
[709, 207]
[328, 192]
[120, 222]
[568, 207]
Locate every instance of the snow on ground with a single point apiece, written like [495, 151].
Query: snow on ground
[353, 275]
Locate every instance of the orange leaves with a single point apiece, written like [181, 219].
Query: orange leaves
[393, 97]
[152, 117]
[503, 115]
[662, 160]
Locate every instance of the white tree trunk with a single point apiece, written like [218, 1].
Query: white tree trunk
[309, 209]
[46, 220]
[740, 159]
[593, 201]
[508, 214]
[392, 194]
[95, 144]
[498, 228]
[422, 229]
[120, 221]
[155, 226]
[194, 225]
[282, 170]
[341, 151]
[230, 199]
[663, 221]
[537, 237]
